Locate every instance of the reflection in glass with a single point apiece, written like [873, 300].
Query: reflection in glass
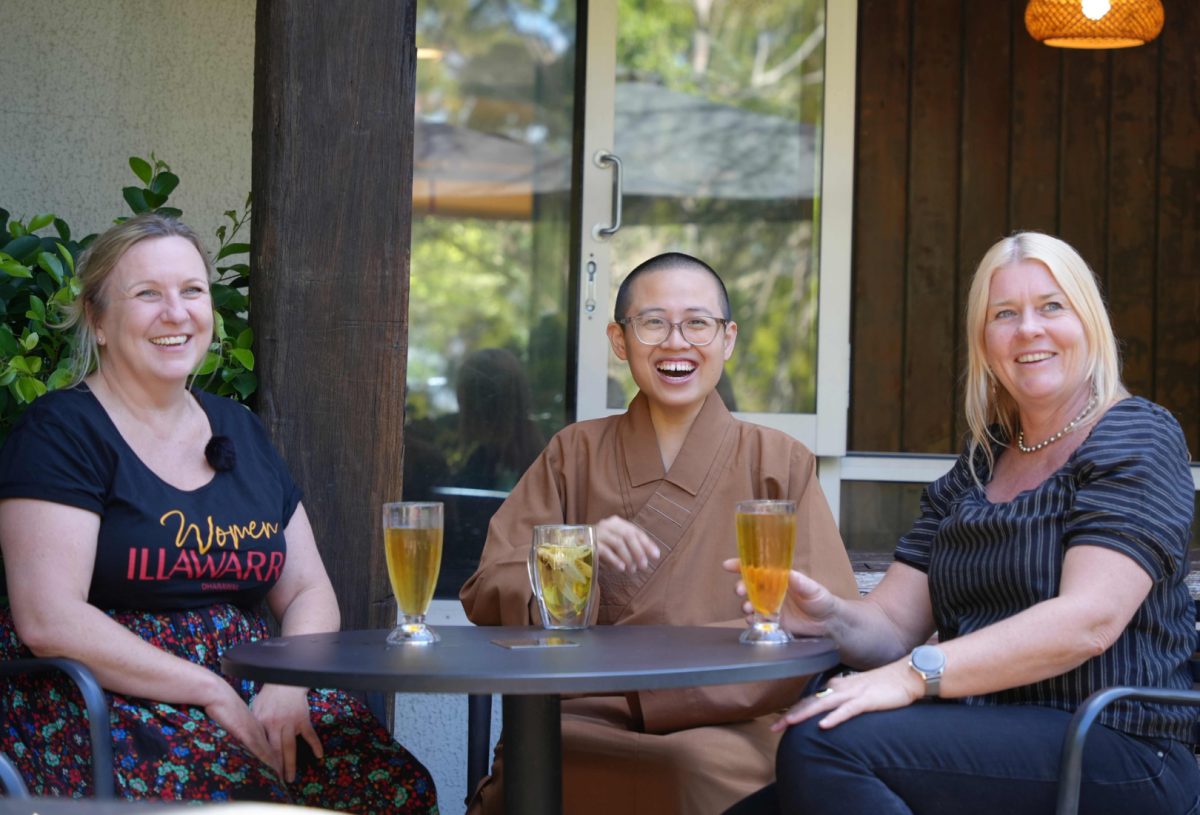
[487, 366]
[718, 125]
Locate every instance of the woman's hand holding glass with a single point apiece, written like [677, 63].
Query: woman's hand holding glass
[808, 607]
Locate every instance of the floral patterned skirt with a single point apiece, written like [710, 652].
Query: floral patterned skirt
[175, 752]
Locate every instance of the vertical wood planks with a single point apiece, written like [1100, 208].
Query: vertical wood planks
[880, 180]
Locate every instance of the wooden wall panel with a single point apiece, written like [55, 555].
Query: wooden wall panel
[1177, 316]
[986, 78]
[1101, 148]
[929, 339]
[1035, 116]
[880, 179]
[1133, 190]
[1083, 184]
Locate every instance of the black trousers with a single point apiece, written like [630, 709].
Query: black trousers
[935, 759]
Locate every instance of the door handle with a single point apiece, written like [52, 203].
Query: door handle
[603, 159]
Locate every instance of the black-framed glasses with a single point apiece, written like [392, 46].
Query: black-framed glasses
[653, 330]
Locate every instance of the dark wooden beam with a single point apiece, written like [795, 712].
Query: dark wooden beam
[332, 188]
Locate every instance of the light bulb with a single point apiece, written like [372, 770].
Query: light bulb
[1096, 9]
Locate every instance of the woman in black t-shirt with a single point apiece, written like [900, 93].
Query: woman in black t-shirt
[141, 524]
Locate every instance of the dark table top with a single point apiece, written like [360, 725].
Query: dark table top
[467, 660]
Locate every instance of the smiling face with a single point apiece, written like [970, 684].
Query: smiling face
[1033, 340]
[675, 375]
[157, 319]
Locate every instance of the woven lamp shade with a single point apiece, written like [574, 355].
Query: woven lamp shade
[1063, 23]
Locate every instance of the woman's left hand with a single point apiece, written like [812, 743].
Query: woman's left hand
[891, 686]
[283, 712]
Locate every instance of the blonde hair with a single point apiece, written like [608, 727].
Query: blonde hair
[987, 402]
[93, 271]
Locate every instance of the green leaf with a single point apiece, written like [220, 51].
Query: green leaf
[64, 231]
[39, 221]
[52, 265]
[141, 168]
[246, 384]
[61, 377]
[242, 269]
[64, 295]
[9, 345]
[37, 311]
[20, 364]
[7, 377]
[218, 325]
[66, 255]
[244, 356]
[16, 228]
[210, 363]
[28, 389]
[164, 184]
[153, 198]
[14, 269]
[136, 198]
[23, 248]
[232, 249]
[245, 339]
[227, 298]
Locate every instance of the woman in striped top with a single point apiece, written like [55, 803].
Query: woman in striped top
[1049, 562]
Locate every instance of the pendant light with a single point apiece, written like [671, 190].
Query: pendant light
[1094, 23]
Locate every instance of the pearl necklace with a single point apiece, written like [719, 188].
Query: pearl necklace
[1070, 426]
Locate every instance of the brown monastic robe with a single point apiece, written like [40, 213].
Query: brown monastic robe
[693, 750]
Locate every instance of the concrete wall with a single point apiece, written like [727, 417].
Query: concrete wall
[88, 84]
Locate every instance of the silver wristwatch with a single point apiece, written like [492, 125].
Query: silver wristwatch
[930, 663]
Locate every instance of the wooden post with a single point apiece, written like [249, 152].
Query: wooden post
[332, 188]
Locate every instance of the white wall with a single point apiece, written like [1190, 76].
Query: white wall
[88, 83]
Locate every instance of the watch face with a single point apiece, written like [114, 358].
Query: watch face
[928, 659]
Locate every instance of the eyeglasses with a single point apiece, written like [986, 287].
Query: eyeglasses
[651, 330]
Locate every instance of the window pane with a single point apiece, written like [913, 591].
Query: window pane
[718, 126]
[487, 366]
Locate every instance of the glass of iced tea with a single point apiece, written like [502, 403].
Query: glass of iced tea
[766, 534]
[562, 571]
[412, 538]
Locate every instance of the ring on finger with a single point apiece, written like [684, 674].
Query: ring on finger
[823, 692]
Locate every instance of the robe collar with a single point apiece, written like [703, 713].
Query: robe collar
[696, 457]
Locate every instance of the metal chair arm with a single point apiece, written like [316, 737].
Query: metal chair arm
[1071, 766]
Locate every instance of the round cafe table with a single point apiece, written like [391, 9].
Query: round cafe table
[531, 667]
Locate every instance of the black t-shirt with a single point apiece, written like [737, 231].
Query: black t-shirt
[159, 548]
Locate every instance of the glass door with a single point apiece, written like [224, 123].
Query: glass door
[706, 132]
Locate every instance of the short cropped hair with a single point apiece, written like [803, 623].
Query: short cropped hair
[987, 402]
[667, 260]
[96, 266]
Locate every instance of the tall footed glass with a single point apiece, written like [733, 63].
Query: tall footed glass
[766, 533]
[412, 537]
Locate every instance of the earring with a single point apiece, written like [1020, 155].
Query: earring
[99, 339]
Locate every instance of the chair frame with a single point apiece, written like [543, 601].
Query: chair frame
[96, 704]
[1071, 766]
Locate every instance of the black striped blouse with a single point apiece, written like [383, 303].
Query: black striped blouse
[1127, 488]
